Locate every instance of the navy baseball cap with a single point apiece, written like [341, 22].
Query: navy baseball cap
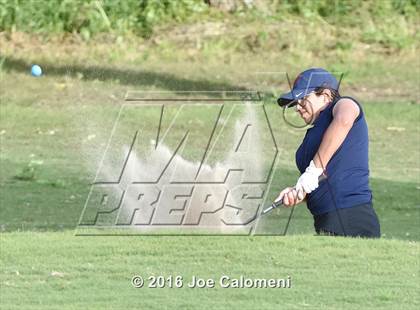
[306, 82]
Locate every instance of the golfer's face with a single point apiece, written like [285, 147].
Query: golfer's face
[310, 106]
[305, 109]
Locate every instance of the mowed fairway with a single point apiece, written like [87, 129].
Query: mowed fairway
[51, 270]
[53, 133]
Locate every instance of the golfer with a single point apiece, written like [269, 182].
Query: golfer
[332, 159]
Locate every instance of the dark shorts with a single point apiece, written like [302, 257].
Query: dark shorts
[358, 221]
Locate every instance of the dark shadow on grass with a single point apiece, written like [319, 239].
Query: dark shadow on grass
[127, 77]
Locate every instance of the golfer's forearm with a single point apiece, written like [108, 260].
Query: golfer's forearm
[333, 138]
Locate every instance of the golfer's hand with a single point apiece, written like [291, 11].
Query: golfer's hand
[308, 181]
[290, 197]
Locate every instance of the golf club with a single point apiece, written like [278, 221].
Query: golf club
[279, 203]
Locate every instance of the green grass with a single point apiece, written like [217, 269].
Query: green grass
[54, 129]
[381, 22]
[48, 161]
[95, 272]
[46, 176]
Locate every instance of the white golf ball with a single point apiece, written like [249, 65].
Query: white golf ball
[36, 70]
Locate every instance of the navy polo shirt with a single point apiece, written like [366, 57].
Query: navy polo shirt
[348, 169]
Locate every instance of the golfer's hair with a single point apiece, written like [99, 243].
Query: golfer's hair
[335, 93]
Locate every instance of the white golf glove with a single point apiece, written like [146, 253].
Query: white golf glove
[308, 181]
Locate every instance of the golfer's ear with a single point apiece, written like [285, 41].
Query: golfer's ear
[328, 95]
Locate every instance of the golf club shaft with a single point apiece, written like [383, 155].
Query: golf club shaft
[273, 206]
